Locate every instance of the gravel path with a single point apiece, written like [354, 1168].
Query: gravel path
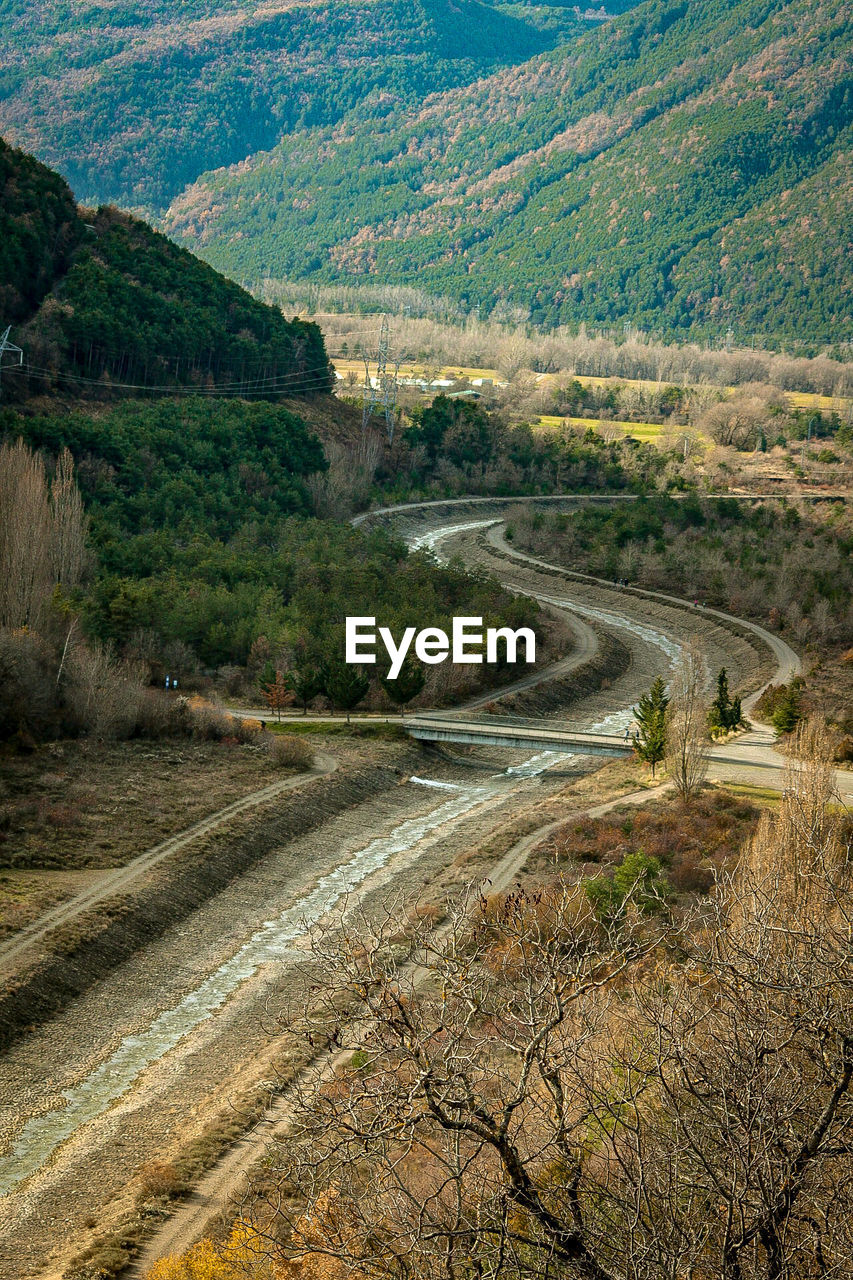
[111, 883]
[397, 841]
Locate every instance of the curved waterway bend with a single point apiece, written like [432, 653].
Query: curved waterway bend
[40, 1136]
[430, 540]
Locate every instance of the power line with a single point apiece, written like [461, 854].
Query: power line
[385, 386]
[6, 345]
[313, 377]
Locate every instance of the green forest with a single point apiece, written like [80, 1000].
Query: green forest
[39, 230]
[102, 299]
[457, 446]
[685, 169]
[135, 106]
[792, 570]
[205, 555]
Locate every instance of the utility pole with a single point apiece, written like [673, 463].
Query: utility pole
[6, 345]
[386, 384]
[389, 400]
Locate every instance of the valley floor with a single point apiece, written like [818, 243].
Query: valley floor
[179, 1046]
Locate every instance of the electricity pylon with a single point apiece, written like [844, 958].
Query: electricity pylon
[385, 386]
[6, 345]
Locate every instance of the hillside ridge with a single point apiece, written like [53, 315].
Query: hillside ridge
[105, 303]
[684, 168]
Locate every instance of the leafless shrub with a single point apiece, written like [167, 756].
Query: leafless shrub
[526, 1092]
[162, 716]
[207, 722]
[105, 694]
[289, 751]
[245, 730]
[158, 1178]
[27, 679]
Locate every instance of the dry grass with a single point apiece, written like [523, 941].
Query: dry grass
[84, 804]
[689, 841]
[288, 751]
[24, 895]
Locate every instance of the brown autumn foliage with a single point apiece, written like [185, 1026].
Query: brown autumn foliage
[690, 845]
[528, 1091]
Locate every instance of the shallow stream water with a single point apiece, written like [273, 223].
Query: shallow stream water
[109, 1081]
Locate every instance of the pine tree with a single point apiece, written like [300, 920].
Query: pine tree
[408, 684]
[306, 682]
[725, 712]
[650, 714]
[344, 685]
[787, 713]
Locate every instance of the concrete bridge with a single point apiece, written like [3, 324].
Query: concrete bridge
[498, 731]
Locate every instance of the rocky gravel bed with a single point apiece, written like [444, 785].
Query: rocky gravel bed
[90, 1175]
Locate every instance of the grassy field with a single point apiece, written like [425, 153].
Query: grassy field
[345, 365]
[648, 432]
[824, 404]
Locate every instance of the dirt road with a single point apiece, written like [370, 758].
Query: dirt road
[110, 883]
[141, 1063]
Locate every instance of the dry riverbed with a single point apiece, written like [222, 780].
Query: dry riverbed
[424, 832]
[147, 1062]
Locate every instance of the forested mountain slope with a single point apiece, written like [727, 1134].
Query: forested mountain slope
[39, 229]
[132, 102]
[101, 299]
[686, 167]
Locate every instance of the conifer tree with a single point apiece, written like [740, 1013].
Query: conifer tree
[650, 714]
[306, 682]
[345, 685]
[408, 684]
[725, 712]
[787, 713]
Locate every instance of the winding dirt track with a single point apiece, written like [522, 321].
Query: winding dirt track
[114, 882]
[419, 830]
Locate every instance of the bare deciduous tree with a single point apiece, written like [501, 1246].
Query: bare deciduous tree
[25, 537]
[42, 534]
[686, 724]
[69, 525]
[339, 491]
[525, 1093]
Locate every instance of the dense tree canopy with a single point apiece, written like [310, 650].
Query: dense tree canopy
[685, 169]
[163, 94]
[106, 304]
